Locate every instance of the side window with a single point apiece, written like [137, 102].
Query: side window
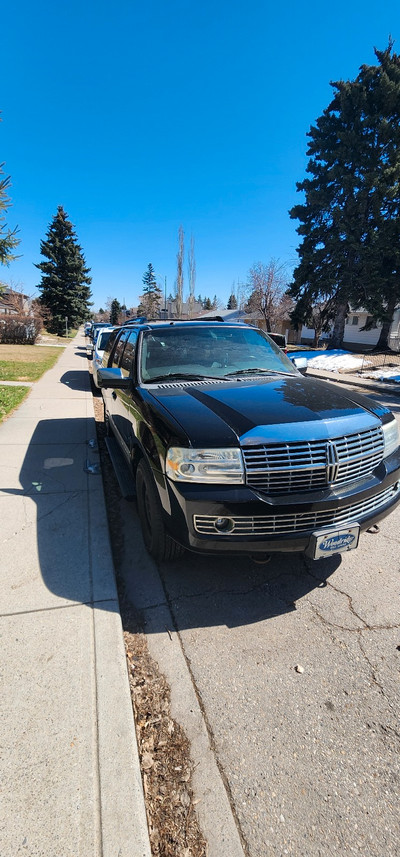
[128, 354]
[119, 348]
[109, 347]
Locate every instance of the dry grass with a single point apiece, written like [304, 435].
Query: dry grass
[26, 362]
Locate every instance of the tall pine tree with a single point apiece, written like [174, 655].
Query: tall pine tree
[152, 294]
[65, 279]
[350, 218]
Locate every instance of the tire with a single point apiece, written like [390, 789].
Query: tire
[158, 543]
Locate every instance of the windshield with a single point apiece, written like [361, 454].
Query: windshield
[212, 352]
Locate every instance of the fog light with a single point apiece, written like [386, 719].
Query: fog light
[224, 525]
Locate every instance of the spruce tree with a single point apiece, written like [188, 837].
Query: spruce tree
[152, 294]
[65, 279]
[8, 237]
[350, 217]
[115, 311]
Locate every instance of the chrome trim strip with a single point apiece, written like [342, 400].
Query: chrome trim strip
[298, 522]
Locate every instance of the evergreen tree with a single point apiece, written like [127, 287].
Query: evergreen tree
[232, 302]
[350, 219]
[65, 279]
[152, 294]
[115, 311]
[8, 237]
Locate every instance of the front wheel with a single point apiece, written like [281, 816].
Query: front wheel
[158, 543]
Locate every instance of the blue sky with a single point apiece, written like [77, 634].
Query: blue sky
[142, 117]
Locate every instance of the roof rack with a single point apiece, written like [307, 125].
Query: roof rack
[130, 322]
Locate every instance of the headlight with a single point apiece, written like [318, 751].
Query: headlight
[391, 437]
[204, 465]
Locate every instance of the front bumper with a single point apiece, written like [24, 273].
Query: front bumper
[260, 524]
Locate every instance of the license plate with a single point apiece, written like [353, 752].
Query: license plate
[328, 542]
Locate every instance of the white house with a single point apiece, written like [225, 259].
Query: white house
[354, 336]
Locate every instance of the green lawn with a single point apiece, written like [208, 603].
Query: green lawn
[10, 398]
[26, 362]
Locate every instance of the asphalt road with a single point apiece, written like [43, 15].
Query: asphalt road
[295, 667]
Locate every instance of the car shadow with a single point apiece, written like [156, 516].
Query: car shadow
[60, 473]
[77, 379]
[209, 591]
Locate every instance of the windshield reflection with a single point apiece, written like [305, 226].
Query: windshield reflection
[212, 352]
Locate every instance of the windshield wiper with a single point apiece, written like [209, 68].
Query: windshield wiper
[256, 371]
[182, 376]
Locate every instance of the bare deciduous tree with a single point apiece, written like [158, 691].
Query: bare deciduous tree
[192, 275]
[266, 285]
[179, 276]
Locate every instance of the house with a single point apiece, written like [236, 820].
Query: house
[355, 337]
[13, 303]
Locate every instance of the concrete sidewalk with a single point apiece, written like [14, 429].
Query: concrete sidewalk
[70, 776]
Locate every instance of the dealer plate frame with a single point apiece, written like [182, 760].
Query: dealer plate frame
[342, 538]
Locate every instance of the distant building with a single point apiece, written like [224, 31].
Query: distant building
[14, 303]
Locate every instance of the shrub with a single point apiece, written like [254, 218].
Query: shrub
[20, 329]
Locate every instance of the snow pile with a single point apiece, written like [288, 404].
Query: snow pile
[334, 360]
[384, 375]
[336, 363]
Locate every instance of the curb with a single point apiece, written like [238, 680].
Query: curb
[354, 380]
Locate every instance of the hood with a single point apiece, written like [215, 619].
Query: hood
[259, 410]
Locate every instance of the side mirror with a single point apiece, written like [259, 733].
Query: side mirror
[113, 378]
[301, 364]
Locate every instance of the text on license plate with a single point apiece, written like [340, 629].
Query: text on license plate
[328, 542]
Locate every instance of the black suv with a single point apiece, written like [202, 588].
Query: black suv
[233, 450]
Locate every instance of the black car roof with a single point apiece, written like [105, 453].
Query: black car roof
[157, 324]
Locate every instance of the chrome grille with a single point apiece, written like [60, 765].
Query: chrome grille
[280, 468]
[269, 525]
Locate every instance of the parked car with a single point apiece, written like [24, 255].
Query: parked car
[87, 327]
[300, 362]
[103, 335]
[96, 326]
[234, 451]
[279, 339]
